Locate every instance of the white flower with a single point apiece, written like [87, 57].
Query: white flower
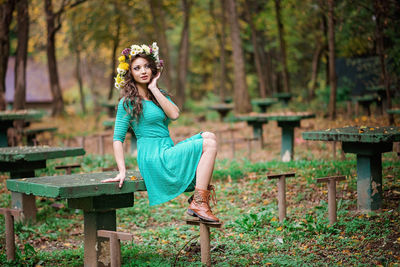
[121, 71]
[146, 49]
[154, 47]
[136, 49]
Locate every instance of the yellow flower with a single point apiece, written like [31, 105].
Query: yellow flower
[121, 59]
[119, 79]
[123, 66]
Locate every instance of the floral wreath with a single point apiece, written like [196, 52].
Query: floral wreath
[128, 53]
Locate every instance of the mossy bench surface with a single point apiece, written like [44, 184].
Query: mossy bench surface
[365, 98]
[13, 154]
[362, 134]
[77, 185]
[20, 115]
[285, 116]
[393, 111]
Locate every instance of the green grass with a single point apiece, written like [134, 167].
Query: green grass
[251, 236]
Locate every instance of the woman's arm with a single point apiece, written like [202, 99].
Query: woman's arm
[170, 109]
[120, 159]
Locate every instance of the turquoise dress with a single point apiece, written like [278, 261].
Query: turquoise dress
[167, 169]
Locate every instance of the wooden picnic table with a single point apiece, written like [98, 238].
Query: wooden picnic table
[286, 120]
[99, 202]
[264, 103]
[222, 108]
[393, 111]
[31, 133]
[368, 143]
[284, 97]
[21, 162]
[110, 124]
[8, 117]
[365, 101]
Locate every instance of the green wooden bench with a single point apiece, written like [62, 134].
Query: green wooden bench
[8, 117]
[264, 103]
[99, 202]
[368, 143]
[365, 101]
[21, 162]
[284, 97]
[31, 134]
[222, 108]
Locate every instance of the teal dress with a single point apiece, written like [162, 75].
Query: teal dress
[167, 169]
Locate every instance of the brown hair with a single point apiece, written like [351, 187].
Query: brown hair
[131, 92]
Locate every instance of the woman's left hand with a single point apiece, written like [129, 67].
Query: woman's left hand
[153, 83]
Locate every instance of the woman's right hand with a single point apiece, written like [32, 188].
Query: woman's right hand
[119, 178]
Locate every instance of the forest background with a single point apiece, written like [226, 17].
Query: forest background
[283, 46]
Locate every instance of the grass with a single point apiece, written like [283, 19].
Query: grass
[252, 234]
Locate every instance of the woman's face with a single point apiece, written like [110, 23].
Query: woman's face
[141, 71]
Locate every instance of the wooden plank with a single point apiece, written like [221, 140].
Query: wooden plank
[13, 154]
[277, 176]
[120, 235]
[327, 179]
[363, 134]
[197, 221]
[32, 131]
[76, 185]
[20, 115]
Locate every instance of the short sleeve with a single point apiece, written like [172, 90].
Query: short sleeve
[122, 122]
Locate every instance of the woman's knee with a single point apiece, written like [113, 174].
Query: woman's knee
[209, 135]
[209, 144]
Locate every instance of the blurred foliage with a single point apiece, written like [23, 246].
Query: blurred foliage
[95, 26]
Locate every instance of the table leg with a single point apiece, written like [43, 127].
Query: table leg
[263, 109]
[287, 141]
[26, 203]
[3, 139]
[97, 249]
[258, 131]
[369, 181]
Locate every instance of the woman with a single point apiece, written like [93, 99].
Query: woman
[167, 169]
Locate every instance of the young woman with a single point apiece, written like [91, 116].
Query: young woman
[167, 169]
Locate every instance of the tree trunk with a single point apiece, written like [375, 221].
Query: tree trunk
[285, 73]
[115, 45]
[332, 71]
[79, 79]
[257, 55]
[6, 10]
[159, 26]
[380, 9]
[183, 57]
[21, 57]
[58, 102]
[315, 68]
[241, 95]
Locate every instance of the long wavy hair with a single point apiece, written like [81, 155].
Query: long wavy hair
[131, 93]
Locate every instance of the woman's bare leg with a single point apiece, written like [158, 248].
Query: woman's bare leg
[206, 164]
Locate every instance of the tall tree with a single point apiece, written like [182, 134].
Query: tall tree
[183, 57]
[241, 94]
[250, 5]
[332, 71]
[115, 44]
[282, 42]
[221, 36]
[159, 26]
[6, 10]
[21, 57]
[381, 9]
[53, 20]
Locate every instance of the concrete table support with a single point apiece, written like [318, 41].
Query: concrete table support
[287, 143]
[281, 192]
[204, 238]
[368, 143]
[9, 215]
[258, 130]
[331, 195]
[222, 108]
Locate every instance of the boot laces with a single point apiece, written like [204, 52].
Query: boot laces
[213, 196]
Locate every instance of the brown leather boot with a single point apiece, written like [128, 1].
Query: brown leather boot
[200, 207]
[209, 187]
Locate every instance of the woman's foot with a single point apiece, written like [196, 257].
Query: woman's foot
[200, 207]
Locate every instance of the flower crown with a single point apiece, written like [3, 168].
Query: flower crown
[128, 53]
